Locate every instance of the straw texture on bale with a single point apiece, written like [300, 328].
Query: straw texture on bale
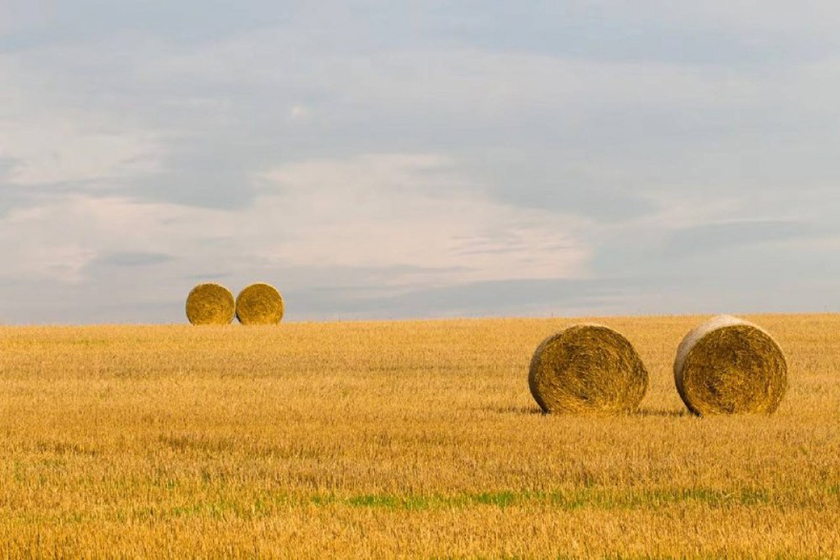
[730, 366]
[587, 368]
[260, 304]
[210, 304]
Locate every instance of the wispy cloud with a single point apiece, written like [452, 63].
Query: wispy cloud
[415, 211]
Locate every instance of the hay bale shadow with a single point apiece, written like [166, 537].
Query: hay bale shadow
[652, 412]
[515, 409]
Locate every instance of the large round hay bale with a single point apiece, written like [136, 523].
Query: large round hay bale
[259, 304]
[210, 304]
[587, 368]
[730, 366]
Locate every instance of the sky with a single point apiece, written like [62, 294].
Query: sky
[404, 159]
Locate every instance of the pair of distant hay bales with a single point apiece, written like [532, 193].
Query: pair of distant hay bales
[725, 366]
[213, 304]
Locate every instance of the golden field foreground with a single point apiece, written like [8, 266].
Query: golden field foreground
[397, 439]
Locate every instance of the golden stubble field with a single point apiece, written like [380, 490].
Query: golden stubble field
[415, 439]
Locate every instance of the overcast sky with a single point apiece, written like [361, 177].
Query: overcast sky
[397, 159]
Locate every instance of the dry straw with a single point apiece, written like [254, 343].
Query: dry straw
[259, 304]
[210, 304]
[587, 368]
[730, 366]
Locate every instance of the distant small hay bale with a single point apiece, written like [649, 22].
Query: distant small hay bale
[587, 368]
[260, 304]
[730, 366]
[210, 304]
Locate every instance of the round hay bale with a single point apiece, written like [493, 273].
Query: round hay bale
[587, 368]
[259, 304]
[730, 366]
[210, 304]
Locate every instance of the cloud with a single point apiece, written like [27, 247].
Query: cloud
[28, 23]
[379, 225]
[132, 259]
[539, 297]
[49, 147]
[413, 210]
[741, 34]
[47, 154]
[594, 136]
[728, 235]
[95, 230]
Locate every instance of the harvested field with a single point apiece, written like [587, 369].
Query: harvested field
[398, 439]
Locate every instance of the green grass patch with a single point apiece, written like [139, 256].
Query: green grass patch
[604, 499]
